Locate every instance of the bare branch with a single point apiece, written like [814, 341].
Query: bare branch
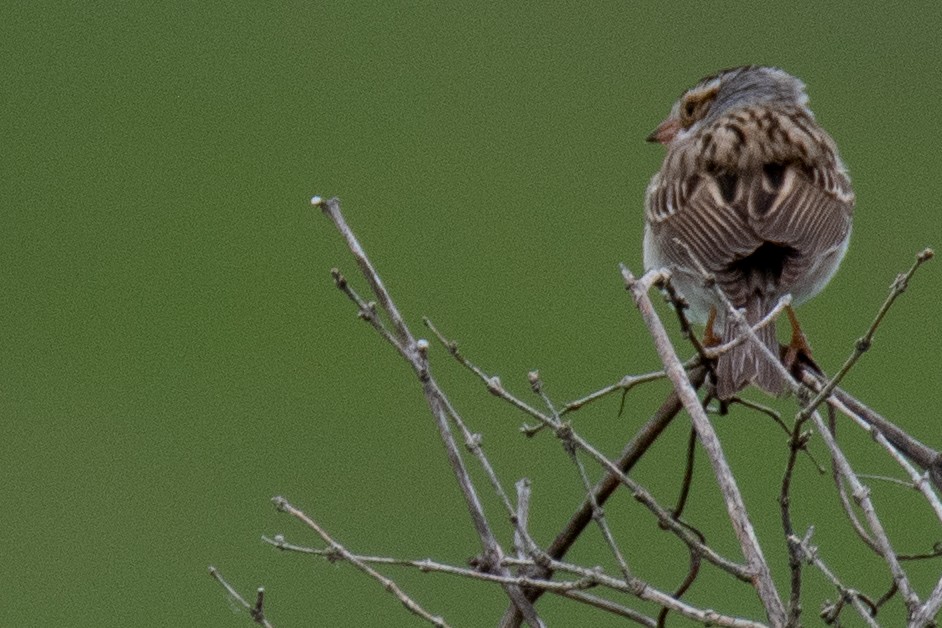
[585, 578]
[529, 571]
[565, 431]
[861, 495]
[927, 458]
[846, 594]
[625, 384]
[925, 615]
[415, 354]
[711, 444]
[863, 344]
[796, 443]
[340, 552]
[920, 481]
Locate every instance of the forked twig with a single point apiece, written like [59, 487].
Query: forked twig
[864, 343]
[584, 578]
[810, 554]
[415, 353]
[339, 551]
[256, 611]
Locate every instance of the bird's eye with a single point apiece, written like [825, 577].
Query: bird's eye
[689, 108]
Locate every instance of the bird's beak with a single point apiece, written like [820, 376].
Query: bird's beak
[666, 131]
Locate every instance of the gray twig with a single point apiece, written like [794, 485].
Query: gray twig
[734, 503]
[415, 353]
[339, 551]
[256, 611]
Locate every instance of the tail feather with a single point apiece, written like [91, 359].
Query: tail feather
[746, 363]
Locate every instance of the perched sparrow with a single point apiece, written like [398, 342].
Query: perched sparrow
[753, 191]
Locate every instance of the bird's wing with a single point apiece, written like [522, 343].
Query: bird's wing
[805, 207]
[697, 219]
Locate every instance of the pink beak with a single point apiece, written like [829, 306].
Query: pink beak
[666, 131]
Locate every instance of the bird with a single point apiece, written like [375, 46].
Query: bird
[753, 199]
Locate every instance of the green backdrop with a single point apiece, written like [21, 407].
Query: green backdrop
[173, 352]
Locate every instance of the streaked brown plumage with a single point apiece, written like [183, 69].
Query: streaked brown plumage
[755, 190]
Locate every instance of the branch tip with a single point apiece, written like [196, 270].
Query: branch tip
[536, 385]
[339, 280]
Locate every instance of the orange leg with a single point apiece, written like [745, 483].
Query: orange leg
[710, 339]
[798, 350]
[799, 342]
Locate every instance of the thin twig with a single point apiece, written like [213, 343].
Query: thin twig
[864, 343]
[796, 443]
[843, 496]
[256, 611]
[605, 488]
[585, 578]
[919, 481]
[861, 495]
[625, 384]
[810, 554]
[598, 514]
[340, 551]
[925, 457]
[688, 474]
[562, 430]
[415, 353]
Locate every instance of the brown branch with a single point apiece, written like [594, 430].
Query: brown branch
[693, 570]
[687, 482]
[796, 443]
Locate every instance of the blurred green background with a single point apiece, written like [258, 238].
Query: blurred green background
[174, 352]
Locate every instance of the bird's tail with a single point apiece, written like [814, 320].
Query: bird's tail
[746, 363]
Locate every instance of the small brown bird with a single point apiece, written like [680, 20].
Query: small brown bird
[753, 190]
